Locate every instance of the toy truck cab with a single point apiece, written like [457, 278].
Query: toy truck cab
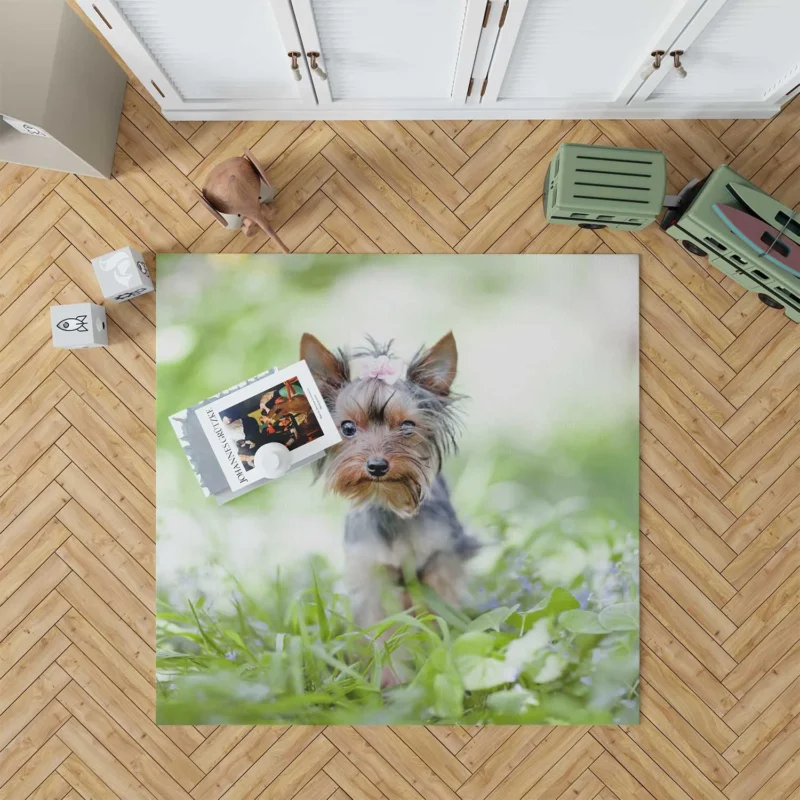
[702, 232]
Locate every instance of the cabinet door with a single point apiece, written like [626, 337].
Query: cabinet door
[208, 54]
[747, 51]
[388, 54]
[577, 53]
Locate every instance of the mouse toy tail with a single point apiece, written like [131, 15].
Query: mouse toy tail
[270, 231]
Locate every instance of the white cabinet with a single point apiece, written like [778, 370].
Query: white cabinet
[587, 58]
[747, 53]
[382, 52]
[338, 59]
[208, 56]
[564, 52]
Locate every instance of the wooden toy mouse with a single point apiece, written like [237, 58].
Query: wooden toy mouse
[234, 189]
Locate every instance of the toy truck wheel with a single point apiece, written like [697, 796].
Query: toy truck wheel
[592, 226]
[769, 301]
[693, 249]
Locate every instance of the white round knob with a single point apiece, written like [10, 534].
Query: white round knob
[273, 460]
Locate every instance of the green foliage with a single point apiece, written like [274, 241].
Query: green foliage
[292, 654]
[551, 633]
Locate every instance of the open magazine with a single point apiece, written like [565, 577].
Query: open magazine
[222, 434]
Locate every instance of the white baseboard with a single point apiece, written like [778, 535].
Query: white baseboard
[649, 111]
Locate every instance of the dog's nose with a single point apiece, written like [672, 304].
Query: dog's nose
[377, 467]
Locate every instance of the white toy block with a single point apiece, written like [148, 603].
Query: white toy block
[122, 275]
[78, 325]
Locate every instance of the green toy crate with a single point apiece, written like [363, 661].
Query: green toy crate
[605, 187]
[702, 232]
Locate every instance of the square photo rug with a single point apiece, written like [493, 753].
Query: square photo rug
[455, 539]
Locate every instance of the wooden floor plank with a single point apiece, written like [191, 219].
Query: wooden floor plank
[110, 518]
[502, 762]
[299, 153]
[765, 618]
[351, 780]
[25, 199]
[38, 696]
[82, 779]
[236, 763]
[146, 750]
[687, 775]
[38, 295]
[159, 131]
[157, 202]
[12, 176]
[395, 191]
[36, 770]
[31, 738]
[437, 143]
[501, 145]
[79, 450]
[209, 135]
[683, 411]
[682, 734]
[690, 597]
[775, 720]
[475, 134]
[503, 204]
[153, 161]
[94, 754]
[501, 180]
[720, 472]
[426, 168]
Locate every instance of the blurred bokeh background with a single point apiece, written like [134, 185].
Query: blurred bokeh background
[548, 362]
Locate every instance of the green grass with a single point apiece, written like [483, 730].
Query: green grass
[550, 634]
[561, 649]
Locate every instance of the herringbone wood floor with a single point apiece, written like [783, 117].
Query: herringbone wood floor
[720, 471]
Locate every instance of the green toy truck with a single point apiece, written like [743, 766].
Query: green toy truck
[696, 225]
[598, 187]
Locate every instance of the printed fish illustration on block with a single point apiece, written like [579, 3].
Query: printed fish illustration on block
[122, 274]
[119, 264]
[77, 324]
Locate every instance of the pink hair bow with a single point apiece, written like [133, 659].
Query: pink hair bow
[388, 370]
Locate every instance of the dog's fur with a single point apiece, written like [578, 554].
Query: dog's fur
[401, 524]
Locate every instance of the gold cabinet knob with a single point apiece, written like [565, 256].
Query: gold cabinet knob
[295, 64]
[676, 60]
[657, 56]
[315, 67]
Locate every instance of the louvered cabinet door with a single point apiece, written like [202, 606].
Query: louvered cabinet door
[748, 51]
[569, 54]
[389, 54]
[208, 54]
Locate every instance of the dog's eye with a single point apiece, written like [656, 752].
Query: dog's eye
[407, 426]
[349, 428]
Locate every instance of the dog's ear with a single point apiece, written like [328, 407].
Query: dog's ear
[435, 369]
[328, 370]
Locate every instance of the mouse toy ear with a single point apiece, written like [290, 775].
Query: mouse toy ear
[256, 166]
[213, 211]
[435, 369]
[329, 369]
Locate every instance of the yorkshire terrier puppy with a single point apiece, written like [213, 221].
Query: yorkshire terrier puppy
[398, 422]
